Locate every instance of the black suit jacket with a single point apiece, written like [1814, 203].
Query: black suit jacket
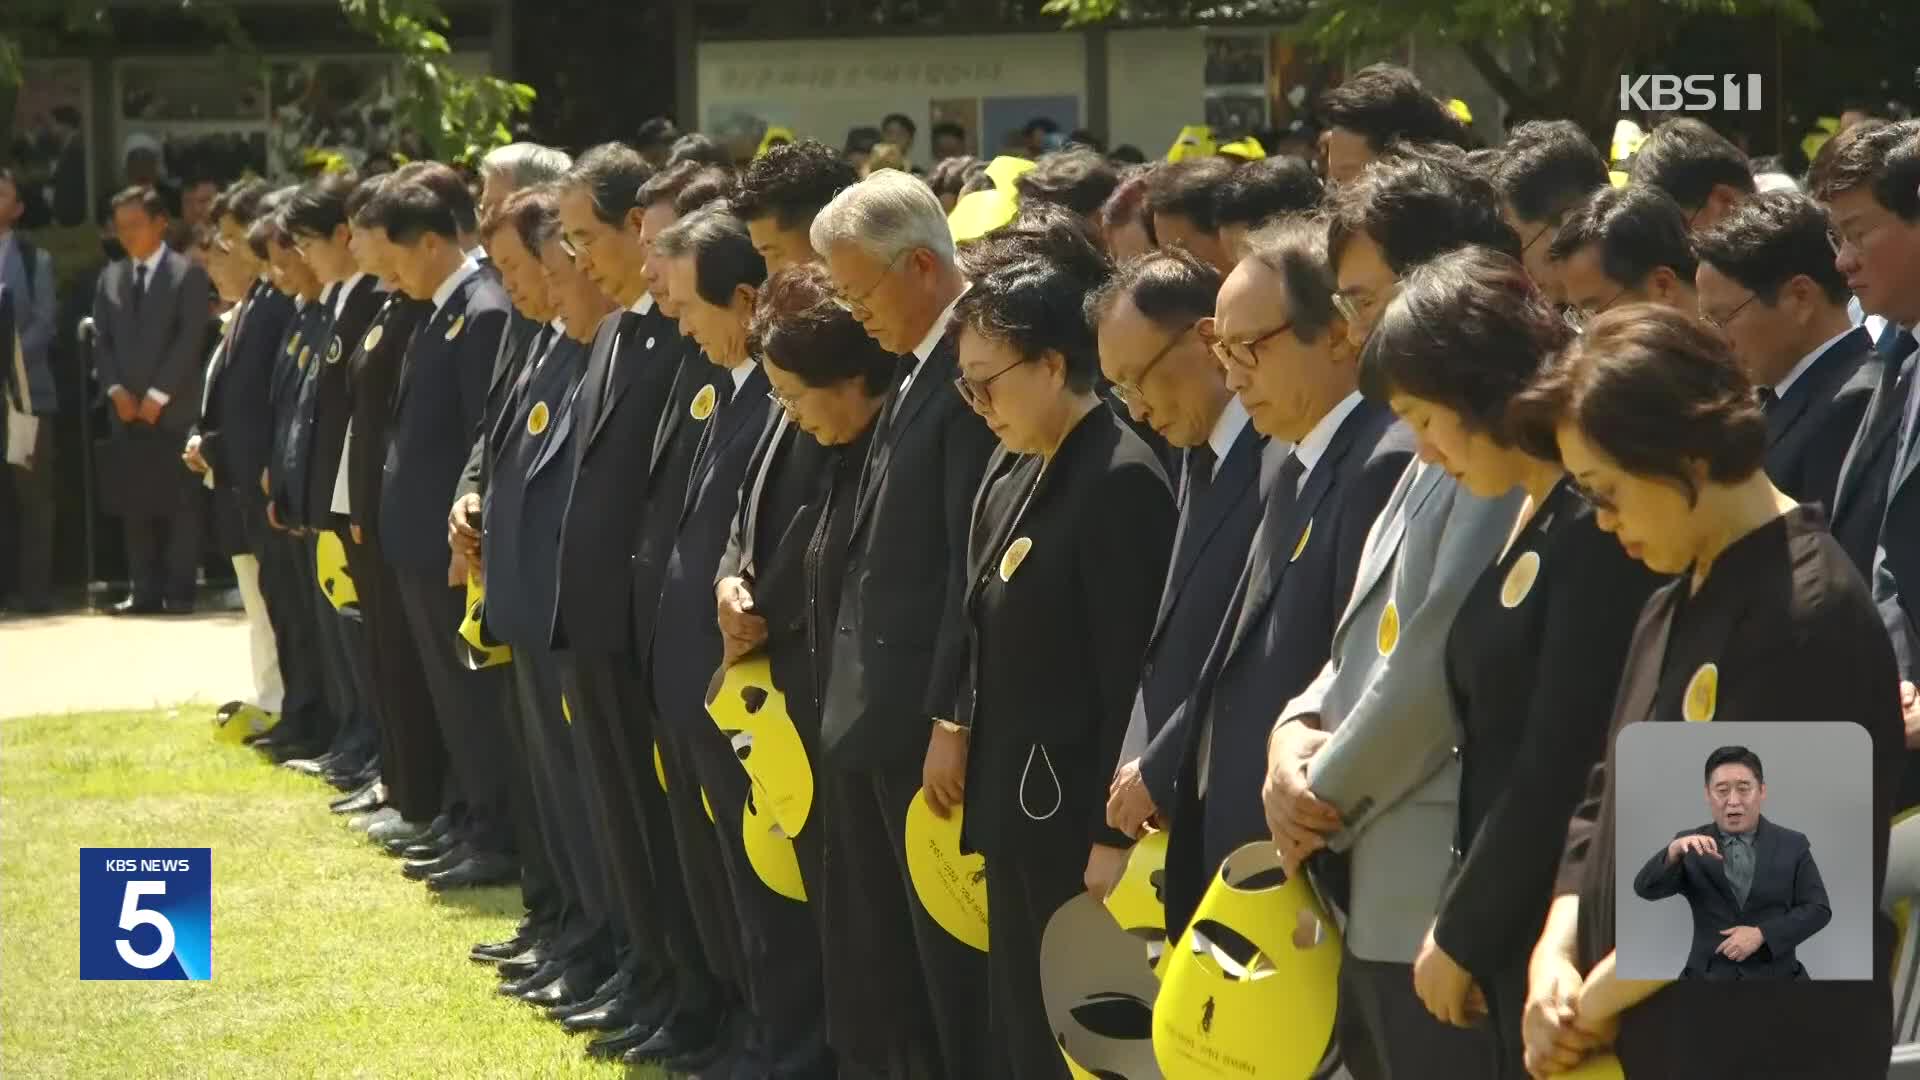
[894, 661]
[236, 427]
[521, 340]
[1810, 429]
[1861, 501]
[159, 343]
[1209, 551]
[1787, 902]
[437, 406]
[373, 374]
[1061, 595]
[526, 495]
[312, 324]
[623, 395]
[333, 399]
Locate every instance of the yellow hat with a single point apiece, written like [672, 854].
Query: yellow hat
[770, 852]
[1194, 141]
[1098, 995]
[1597, 1067]
[330, 564]
[1242, 995]
[981, 212]
[1246, 149]
[237, 725]
[752, 713]
[1137, 902]
[951, 886]
[1005, 169]
[1459, 109]
[1618, 179]
[775, 136]
[478, 647]
[1627, 138]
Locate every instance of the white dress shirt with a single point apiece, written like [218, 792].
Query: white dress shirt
[152, 263]
[928, 343]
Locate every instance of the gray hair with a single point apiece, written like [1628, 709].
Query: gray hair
[888, 213]
[526, 164]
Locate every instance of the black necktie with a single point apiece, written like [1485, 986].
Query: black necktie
[1200, 462]
[882, 430]
[139, 284]
[1768, 398]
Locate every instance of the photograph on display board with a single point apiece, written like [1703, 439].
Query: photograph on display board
[49, 143]
[341, 107]
[962, 111]
[1236, 59]
[1004, 122]
[176, 91]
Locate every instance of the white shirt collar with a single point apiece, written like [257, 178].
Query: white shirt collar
[1786, 383]
[1226, 430]
[741, 374]
[1875, 324]
[937, 331]
[642, 305]
[1312, 448]
[151, 262]
[346, 290]
[467, 269]
[477, 253]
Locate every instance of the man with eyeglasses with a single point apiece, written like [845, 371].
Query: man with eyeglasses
[1869, 179]
[1750, 913]
[1767, 281]
[1546, 168]
[1624, 246]
[898, 641]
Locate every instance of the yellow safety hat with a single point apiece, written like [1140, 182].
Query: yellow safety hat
[330, 564]
[1627, 138]
[752, 712]
[478, 647]
[981, 212]
[775, 136]
[1249, 989]
[950, 885]
[1137, 902]
[770, 852]
[1826, 127]
[1005, 169]
[1246, 149]
[242, 722]
[1098, 995]
[1194, 141]
[1459, 109]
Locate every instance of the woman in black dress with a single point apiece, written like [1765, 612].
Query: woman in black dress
[1535, 651]
[1067, 552]
[1767, 621]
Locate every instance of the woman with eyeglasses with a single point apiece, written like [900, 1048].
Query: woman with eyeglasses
[1766, 621]
[1536, 647]
[1071, 531]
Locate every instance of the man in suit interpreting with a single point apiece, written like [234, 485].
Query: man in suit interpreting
[1362, 763]
[150, 316]
[1753, 886]
[1766, 279]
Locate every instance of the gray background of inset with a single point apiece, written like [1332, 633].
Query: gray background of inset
[1819, 782]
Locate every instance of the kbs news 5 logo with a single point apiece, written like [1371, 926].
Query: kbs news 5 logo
[145, 913]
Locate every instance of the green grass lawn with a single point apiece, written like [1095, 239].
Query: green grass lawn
[326, 962]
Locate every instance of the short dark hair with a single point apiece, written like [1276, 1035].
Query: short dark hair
[1294, 247]
[444, 182]
[612, 174]
[1030, 280]
[363, 193]
[948, 129]
[534, 214]
[319, 207]
[1128, 203]
[1085, 137]
[798, 328]
[148, 199]
[1189, 189]
[1385, 103]
[861, 140]
[407, 211]
[903, 120]
[666, 185]
[240, 201]
[1172, 288]
[1078, 179]
[724, 259]
[694, 146]
[1733, 755]
[1416, 206]
[949, 175]
[1127, 154]
[264, 229]
[1883, 158]
[1546, 168]
[707, 186]
[1638, 228]
[1468, 330]
[1687, 159]
[1769, 240]
[791, 183]
[1044, 124]
[1264, 189]
[655, 131]
[1653, 388]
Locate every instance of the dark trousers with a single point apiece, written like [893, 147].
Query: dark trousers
[163, 554]
[287, 586]
[413, 762]
[1386, 1033]
[343, 650]
[640, 853]
[553, 814]
[33, 506]
[469, 708]
[1022, 894]
[1506, 1003]
[904, 997]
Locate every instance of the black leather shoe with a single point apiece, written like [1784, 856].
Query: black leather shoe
[136, 606]
[529, 960]
[366, 798]
[615, 1046]
[421, 869]
[293, 749]
[497, 951]
[477, 872]
[399, 828]
[306, 766]
[548, 971]
[687, 1042]
[571, 988]
[621, 1012]
[610, 989]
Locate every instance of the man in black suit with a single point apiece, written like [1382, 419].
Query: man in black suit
[896, 655]
[1624, 246]
[1767, 280]
[1877, 248]
[1334, 460]
[1150, 318]
[150, 315]
[1753, 886]
[437, 405]
[1546, 168]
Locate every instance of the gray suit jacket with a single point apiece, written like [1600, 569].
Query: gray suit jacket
[160, 346]
[33, 319]
[1390, 767]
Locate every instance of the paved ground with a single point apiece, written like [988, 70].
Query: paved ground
[87, 662]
